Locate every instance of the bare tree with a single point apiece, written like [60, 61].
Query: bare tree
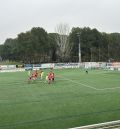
[62, 34]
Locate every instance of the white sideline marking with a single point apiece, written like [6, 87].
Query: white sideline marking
[85, 85]
[80, 83]
[112, 88]
[97, 125]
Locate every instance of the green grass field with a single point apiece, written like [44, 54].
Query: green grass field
[74, 99]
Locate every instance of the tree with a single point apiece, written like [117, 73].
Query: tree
[62, 39]
[1, 52]
[74, 41]
[25, 47]
[41, 44]
[33, 46]
[36, 45]
[53, 46]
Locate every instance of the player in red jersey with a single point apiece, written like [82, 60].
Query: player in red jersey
[33, 76]
[49, 78]
[52, 76]
[36, 74]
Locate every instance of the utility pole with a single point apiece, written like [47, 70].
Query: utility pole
[91, 55]
[108, 53]
[79, 52]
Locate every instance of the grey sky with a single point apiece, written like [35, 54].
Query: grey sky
[18, 16]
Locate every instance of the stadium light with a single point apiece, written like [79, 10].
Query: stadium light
[79, 52]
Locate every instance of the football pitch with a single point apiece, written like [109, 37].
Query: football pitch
[74, 99]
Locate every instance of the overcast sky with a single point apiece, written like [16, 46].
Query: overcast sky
[18, 16]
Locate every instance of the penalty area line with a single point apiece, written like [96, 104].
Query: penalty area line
[88, 86]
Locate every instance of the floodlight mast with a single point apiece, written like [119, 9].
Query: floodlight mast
[79, 52]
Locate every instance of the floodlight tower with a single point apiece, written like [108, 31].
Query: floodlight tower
[79, 52]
